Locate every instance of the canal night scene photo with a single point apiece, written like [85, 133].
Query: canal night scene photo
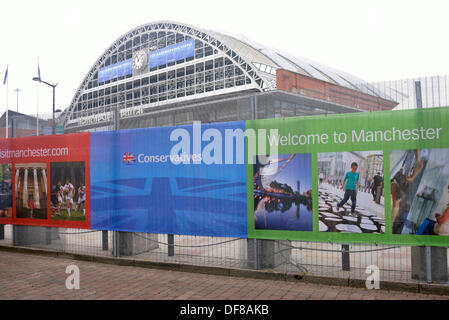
[283, 192]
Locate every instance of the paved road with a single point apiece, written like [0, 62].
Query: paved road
[24, 276]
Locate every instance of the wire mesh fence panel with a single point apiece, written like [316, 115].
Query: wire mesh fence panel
[80, 241]
[7, 238]
[83, 242]
[326, 260]
[196, 250]
[424, 92]
[299, 258]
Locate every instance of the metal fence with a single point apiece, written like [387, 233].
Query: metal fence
[299, 258]
[424, 92]
[331, 260]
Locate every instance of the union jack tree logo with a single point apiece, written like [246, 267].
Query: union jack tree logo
[128, 158]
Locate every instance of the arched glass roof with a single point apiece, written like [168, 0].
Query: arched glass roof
[132, 74]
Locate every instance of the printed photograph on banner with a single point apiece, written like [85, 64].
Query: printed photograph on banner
[420, 191]
[351, 192]
[5, 191]
[68, 191]
[283, 192]
[31, 190]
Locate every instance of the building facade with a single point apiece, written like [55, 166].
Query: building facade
[168, 73]
[23, 125]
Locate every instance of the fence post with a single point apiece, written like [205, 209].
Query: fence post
[429, 264]
[115, 234]
[256, 254]
[252, 245]
[345, 262]
[14, 235]
[115, 243]
[105, 239]
[418, 94]
[48, 232]
[171, 245]
[253, 253]
[14, 229]
[253, 106]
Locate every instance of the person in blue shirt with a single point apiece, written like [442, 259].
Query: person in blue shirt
[350, 184]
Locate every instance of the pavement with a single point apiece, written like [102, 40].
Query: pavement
[30, 277]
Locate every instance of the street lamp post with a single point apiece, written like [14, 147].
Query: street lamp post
[17, 90]
[53, 86]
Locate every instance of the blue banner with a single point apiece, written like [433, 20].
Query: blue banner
[172, 53]
[116, 70]
[188, 180]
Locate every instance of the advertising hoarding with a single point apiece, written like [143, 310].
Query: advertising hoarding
[116, 70]
[173, 180]
[45, 181]
[171, 53]
[378, 177]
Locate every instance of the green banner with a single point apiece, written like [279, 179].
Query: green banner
[379, 177]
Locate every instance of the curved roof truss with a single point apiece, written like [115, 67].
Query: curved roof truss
[248, 69]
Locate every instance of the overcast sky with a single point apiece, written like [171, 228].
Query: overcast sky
[374, 40]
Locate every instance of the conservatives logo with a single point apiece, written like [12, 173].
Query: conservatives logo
[128, 158]
[210, 147]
